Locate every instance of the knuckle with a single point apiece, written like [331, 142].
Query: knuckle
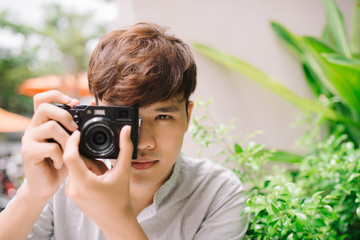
[54, 92]
[28, 152]
[37, 98]
[52, 125]
[54, 148]
[42, 107]
[64, 115]
[25, 150]
[24, 139]
[69, 157]
[26, 146]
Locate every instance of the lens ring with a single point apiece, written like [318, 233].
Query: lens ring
[99, 138]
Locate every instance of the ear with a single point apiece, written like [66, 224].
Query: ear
[189, 111]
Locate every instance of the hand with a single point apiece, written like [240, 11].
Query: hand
[104, 198]
[43, 162]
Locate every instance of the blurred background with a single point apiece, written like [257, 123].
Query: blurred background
[46, 45]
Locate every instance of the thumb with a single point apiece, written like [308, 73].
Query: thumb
[123, 163]
[71, 157]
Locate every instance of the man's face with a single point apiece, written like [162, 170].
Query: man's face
[160, 140]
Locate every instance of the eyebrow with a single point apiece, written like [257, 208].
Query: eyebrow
[171, 108]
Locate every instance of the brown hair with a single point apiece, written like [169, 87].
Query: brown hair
[140, 66]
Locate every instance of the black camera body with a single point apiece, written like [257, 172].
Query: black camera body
[100, 128]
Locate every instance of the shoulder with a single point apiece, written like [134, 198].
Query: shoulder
[206, 169]
[208, 176]
[218, 195]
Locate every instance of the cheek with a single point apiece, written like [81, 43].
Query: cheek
[170, 139]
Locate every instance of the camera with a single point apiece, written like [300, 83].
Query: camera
[100, 128]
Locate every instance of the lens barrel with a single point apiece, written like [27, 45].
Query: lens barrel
[99, 138]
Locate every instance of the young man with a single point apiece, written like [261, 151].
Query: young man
[162, 194]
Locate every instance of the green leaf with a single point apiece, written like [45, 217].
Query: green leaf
[274, 208]
[358, 211]
[266, 183]
[328, 212]
[258, 76]
[313, 81]
[341, 60]
[355, 31]
[238, 148]
[293, 44]
[285, 157]
[301, 219]
[313, 49]
[353, 176]
[337, 26]
[273, 219]
[288, 39]
[317, 195]
[319, 222]
[341, 81]
[327, 37]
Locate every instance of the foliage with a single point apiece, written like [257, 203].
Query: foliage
[318, 199]
[58, 46]
[331, 67]
[13, 70]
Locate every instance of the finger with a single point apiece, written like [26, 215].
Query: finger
[125, 155]
[71, 157]
[73, 102]
[50, 130]
[96, 166]
[49, 97]
[48, 112]
[38, 152]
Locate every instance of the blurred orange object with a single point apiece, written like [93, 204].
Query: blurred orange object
[74, 85]
[12, 122]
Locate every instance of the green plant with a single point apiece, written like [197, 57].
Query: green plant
[331, 66]
[319, 199]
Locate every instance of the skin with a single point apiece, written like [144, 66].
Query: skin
[160, 140]
[117, 195]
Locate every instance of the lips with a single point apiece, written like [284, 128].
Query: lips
[143, 164]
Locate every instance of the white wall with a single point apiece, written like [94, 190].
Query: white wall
[241, 27]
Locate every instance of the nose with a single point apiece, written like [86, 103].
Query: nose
[146, 137]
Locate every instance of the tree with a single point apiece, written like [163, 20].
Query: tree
[60, 46]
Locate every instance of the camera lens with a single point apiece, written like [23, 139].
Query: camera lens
[98, 137]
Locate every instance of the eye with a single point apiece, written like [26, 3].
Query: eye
[163, 117]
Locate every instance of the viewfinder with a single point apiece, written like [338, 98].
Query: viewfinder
[99, 112]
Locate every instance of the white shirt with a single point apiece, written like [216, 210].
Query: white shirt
[200, 200]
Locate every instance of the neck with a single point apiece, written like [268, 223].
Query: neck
[142, 196]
